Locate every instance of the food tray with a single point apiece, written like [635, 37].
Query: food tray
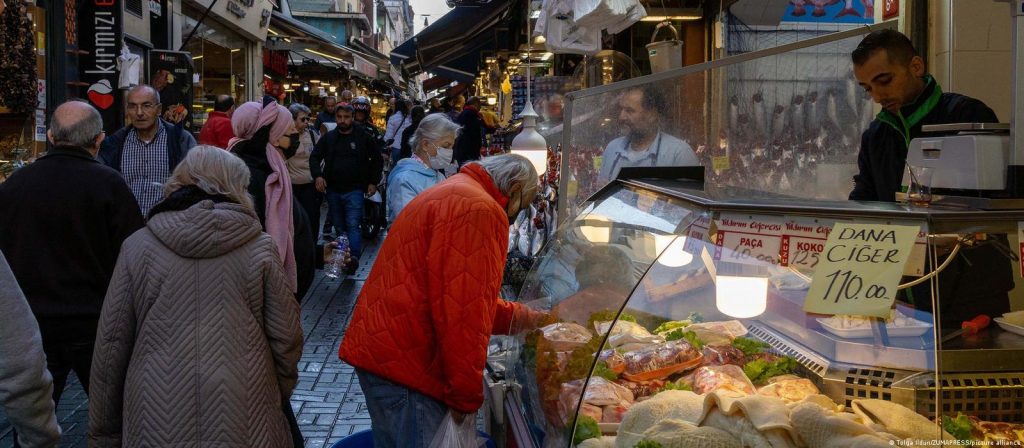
[1009, 327]
[918, 329]
[664, 372]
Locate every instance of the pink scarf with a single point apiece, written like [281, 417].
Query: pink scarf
[246, 120]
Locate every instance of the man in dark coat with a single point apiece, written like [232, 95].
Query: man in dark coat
[62, 222]
[467, 146]
[889, 68]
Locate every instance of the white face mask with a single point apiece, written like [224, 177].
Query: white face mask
[443, 159]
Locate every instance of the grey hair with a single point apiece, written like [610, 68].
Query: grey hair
[433, 128]
[214, 171]
[81, 132]
[142, 87]
[508, 170]
[298, 108]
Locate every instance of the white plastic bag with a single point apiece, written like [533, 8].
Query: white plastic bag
[456, 435]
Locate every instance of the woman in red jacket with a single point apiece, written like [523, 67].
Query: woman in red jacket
[418, 337]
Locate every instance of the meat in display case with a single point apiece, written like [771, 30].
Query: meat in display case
[676, 318]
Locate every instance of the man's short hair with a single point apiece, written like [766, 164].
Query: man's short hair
[223, 103]
[651, 99]
[78, 129]
[145, 87]
[896, 45]
[344, 107]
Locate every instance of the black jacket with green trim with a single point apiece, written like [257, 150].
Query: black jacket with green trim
[883, 146]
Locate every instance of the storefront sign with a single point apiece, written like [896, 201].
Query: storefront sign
[155, 8]
[364, 66]
[170, 73]
[803, 240]
[276, 61]
[860, 269]
[890, 9]
[101, 31]
[748, 239]
[236, 9]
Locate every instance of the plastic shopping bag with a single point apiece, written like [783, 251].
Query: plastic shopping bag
[456, 435]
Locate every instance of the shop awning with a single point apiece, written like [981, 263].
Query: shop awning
[306, 40]
[454, 35]
[435, 83]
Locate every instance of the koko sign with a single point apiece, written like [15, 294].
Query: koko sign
[100, 36]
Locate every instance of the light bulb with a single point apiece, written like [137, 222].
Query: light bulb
[529, 143]
[672, 251]
[741, 297]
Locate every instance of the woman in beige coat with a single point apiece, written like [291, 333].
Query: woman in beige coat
[199, 338]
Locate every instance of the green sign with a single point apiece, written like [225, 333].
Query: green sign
[860, 269]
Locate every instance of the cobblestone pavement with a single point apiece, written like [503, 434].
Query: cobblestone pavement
[327, 401]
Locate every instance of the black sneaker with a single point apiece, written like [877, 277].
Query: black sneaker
[353, 266]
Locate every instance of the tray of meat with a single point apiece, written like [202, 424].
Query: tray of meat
[613, 413]
[726, 378]
[642, 389]
[716, 355]
[660, 360]
[615, 362]
[565, 336]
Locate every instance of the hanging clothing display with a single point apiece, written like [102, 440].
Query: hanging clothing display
[129, 66]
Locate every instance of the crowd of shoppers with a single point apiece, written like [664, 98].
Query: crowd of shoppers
[173, 292]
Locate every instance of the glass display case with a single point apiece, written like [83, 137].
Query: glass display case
[672, 310]
[677, 303]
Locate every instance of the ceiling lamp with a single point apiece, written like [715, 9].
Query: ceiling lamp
[529, 143]
[741, 291]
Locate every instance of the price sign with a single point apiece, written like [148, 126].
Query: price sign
[860, 269]
[803, 241]
[1020, 241]
[915, 264]
[720, 163]
[697, 234]
[748, 239]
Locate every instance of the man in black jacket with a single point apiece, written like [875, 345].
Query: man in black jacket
[62, 222]
[352, 168]
[467, 146]
[889, 68]
[146, 151]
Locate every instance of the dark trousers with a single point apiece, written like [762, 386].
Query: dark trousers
[68, 344]
[310, 200]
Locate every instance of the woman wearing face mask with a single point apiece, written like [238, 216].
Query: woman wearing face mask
[431, 152]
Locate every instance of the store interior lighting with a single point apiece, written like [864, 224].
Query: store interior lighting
[196, 58]
[235, 50]
[741, 291]
[305, 88]
[529, 143]
[287, 86]
[672, 251]
[492, 100]
[663, 14]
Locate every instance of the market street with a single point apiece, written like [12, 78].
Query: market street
[327, 401]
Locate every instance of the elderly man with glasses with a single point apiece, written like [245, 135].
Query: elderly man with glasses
[147, 150]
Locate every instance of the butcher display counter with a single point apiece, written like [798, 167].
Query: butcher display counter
[676, 316]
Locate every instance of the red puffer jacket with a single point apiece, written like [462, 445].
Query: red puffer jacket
[430, 304]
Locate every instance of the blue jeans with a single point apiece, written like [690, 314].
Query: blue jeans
[399, 416]
[346, 210]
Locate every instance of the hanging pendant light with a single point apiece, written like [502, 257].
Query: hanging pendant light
[529, 143]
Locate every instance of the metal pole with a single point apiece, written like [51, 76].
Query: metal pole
[200, 22]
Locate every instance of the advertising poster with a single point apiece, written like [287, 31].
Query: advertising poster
[100, 35]
[170, 73]
[831, 11]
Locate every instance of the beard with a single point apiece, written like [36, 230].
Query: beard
[344, 128]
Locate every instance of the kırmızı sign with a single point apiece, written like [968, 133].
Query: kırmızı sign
[102, 29]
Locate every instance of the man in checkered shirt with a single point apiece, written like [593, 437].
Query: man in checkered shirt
[148, 149]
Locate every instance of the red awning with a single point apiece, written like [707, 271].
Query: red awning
[435, 83]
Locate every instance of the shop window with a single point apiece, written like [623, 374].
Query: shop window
[219, 57]
[134, 7]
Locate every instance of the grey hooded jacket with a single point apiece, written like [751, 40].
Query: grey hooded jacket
[199, 338]
[26, 387]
